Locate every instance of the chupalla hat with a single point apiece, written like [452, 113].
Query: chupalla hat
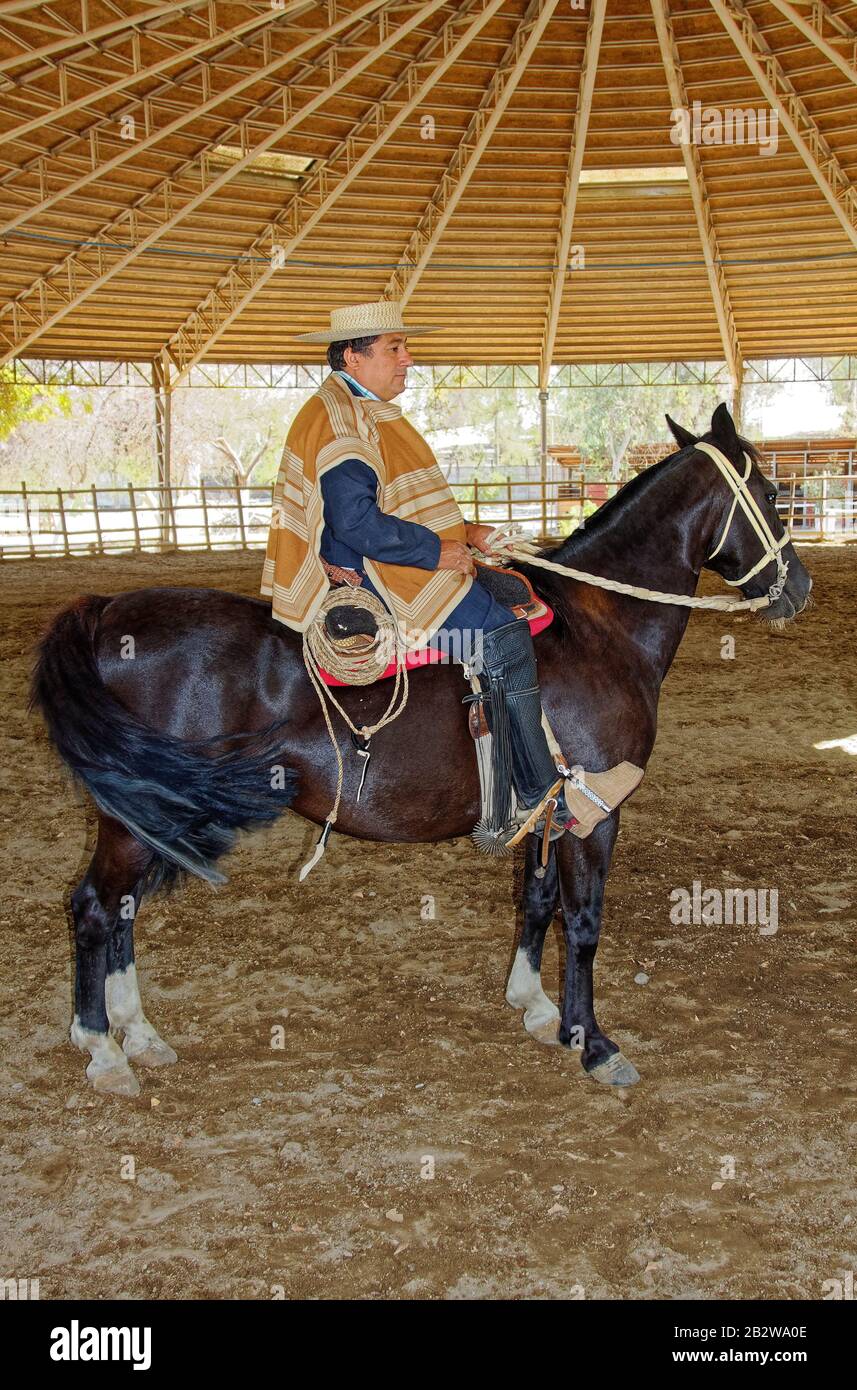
[367, 321]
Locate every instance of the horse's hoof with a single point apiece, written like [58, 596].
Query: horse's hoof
[155, 1054]
[546, 1031]
[616, 1071]
[118, 1081]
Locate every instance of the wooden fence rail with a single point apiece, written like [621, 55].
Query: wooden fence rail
[38, 523]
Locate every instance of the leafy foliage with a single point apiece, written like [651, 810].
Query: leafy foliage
[25, 404]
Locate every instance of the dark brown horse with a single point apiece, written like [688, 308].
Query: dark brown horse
[188, 714]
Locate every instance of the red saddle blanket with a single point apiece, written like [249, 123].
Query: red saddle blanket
[432, 656]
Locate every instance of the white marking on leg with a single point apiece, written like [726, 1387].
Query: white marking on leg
[108, 1070]
[524, 991]
[125, 1011]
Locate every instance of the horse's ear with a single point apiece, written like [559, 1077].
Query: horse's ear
[724, 432]
[681, 436]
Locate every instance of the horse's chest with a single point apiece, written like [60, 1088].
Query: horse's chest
[598, 712]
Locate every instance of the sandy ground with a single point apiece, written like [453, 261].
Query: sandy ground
[304, 1172]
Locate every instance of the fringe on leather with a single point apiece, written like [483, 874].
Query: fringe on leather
[500, 808]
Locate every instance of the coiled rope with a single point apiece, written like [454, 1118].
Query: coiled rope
[355, 665]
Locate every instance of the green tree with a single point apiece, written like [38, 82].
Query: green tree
[21, 404]
[506, 416]
[605, 422]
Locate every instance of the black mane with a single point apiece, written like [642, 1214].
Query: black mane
[552, 587]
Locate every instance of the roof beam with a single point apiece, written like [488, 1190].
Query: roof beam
[75, 267]
[88, 135]
[243, 282]
[469, 151]
[53, 296]
[139, 74]
[813, 29]
[699, 195]
[588, 71]
[799, 124]
[132, 149]
[85, 35]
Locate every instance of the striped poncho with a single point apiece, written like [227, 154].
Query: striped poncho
[333, 426]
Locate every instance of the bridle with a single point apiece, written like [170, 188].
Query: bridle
[753, 512]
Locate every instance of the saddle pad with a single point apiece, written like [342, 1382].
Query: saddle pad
[432, 656]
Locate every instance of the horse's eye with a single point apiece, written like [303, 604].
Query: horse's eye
[772, 496]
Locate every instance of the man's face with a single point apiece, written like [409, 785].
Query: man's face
[384, 368]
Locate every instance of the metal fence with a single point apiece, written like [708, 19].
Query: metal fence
[41, 522]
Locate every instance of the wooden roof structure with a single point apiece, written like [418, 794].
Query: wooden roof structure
[194, 181]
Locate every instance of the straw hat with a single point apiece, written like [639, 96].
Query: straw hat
[366, 321]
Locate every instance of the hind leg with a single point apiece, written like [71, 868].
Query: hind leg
[141, 1044]
[115, 871]
[524, 990]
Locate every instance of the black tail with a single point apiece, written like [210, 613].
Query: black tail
[185, 800]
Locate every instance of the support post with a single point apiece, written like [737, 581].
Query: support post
[26, 505]
[543, 454]
[240, 501]
[738, 396]
[61, 512]
[205, 517]
[96, 515]
[163, 413]
[135, 519]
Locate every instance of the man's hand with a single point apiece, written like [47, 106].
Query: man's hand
[455, 556]
[477, 536]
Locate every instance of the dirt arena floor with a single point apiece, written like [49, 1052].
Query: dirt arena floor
[306, 1171]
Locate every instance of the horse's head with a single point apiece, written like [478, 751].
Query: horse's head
[750, 547]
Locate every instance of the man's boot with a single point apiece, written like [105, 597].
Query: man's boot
[513, 709]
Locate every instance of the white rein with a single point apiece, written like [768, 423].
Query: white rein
[515, 548]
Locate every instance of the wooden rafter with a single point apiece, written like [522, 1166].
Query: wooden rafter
[468, 152]
[648, 286]
[198, 324]
[86, 35]
[800, 126]
[231, 297]
[145, 74]
[53, 296]
[130, 150]
[88, 135]
[588, 71]
[699, 196]
[812, 28]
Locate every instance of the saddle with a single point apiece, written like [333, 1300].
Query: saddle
[356, 630]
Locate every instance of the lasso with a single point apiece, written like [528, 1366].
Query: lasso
[355, 666]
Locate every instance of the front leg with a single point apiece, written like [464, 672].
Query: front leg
[582, 870]
[539, 904]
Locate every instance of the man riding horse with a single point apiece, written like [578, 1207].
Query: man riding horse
[360, 500]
